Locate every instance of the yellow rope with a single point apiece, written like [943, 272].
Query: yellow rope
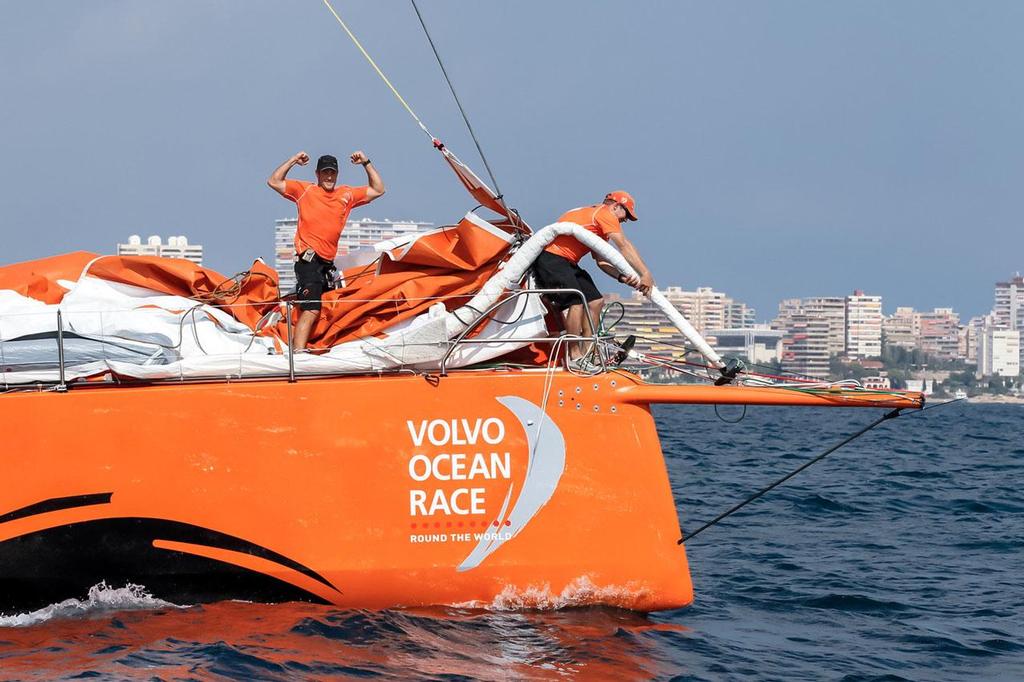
[377, 69]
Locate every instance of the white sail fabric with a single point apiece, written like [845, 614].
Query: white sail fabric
[139, 333]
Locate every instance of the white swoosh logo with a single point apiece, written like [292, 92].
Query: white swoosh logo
[543, 471]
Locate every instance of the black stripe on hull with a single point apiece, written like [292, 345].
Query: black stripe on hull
[56, 504]
[48, 566]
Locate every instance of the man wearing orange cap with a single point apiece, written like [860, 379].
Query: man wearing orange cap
[557, 267]
[323, 210]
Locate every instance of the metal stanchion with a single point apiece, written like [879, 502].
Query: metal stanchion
[291, 353]
[62, 386]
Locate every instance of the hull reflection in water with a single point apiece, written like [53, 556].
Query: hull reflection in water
[291, 641]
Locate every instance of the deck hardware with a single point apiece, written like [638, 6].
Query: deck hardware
[62, 386]
[291, 353]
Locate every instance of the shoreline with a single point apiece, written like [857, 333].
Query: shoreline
[984, 400]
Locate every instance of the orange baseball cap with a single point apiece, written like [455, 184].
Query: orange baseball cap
[624, 198]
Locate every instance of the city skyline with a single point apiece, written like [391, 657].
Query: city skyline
[411, 226]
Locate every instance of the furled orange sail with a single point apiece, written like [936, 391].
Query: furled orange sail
[38, 279]
[446, 266]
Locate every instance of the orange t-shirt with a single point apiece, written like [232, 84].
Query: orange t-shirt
[322, 214]
[598, 219]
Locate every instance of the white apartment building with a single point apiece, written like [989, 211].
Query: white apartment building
[939, 333]
[758, 344]
[998, 352]
[1009, 305]
[805, 346]
[655, 334]
[706, 308]
[176, 247]
[357, 235]
[976, 329]
[901, 328]
[833, 310]
[863, 326]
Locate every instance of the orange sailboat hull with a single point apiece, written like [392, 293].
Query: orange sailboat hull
[357, 491]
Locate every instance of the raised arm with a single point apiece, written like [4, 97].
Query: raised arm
[645, 282]
[277, 178]
[372, 176]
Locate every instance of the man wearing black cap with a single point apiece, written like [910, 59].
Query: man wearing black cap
[323, 212]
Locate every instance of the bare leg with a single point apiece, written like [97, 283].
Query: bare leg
[595, 315]
[574, 325]
[303, 327]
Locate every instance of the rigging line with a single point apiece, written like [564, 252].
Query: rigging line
[451, 87]
[379, 72]
[735, 508]
[932, 407]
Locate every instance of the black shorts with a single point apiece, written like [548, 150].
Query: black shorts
[555, 272]
[313, 278]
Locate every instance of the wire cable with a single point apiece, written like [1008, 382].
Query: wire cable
[735, 508]
[458, 102]
[380, 73]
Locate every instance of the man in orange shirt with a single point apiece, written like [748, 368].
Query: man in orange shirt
[323, 212]
[557, 267]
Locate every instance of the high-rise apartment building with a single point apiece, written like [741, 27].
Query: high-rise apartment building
[805, 345]
[704, 308]
[832, 309]
[176, 247]
[1009, 304]
[640, 317]
[805, 339]
[357, 235]
[976, 329]
[863, 326]
[999, 352]
[901, 329]
[939, 333]
[965, 339]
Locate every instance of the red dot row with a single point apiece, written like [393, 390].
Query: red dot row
[458, 524]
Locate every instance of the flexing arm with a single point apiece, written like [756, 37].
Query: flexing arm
[276, 179]
[372, 176]
[645, 281]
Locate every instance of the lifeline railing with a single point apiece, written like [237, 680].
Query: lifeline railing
[62, 383]
[482, 317]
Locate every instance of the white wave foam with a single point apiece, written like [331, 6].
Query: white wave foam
[580, 592]
[101, 598]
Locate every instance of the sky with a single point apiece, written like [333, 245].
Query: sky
[775, 149]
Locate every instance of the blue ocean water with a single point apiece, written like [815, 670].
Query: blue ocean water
[898, 557]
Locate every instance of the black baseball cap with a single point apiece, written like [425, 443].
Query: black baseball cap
[326, 162]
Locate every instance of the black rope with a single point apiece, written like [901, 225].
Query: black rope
[888, 415]
[731, 421]
[457, 101]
